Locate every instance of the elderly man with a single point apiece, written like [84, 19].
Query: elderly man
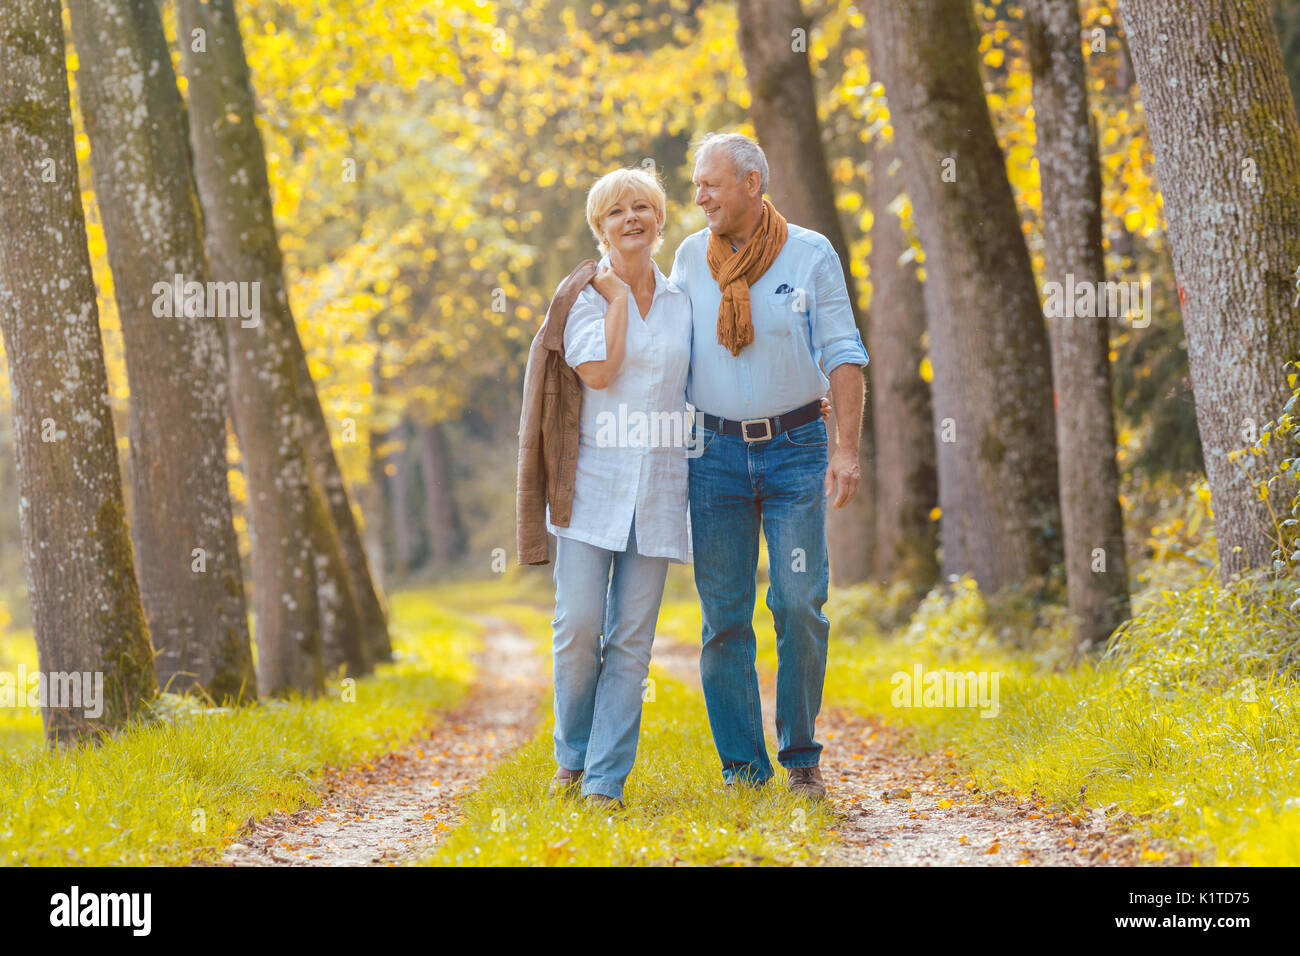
[773, 328]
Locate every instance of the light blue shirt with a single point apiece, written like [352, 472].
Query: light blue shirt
[803, 329]
[634, 433]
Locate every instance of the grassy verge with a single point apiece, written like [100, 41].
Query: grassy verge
[1189, 723]
[170, 790]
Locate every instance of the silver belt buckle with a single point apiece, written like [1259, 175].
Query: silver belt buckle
[744, 429]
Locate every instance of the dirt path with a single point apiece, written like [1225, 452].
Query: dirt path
[399, 805]
[895, 807]
[900, 808]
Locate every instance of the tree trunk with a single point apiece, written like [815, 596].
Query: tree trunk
[356, 567]
[406, 542]
[186, 551]
[446, 536]
[284, 502]
[992, 387]
[907, 487]
[85, 602]
[1226, 142]
[1070, 169]
[783, 107]
[236, 195]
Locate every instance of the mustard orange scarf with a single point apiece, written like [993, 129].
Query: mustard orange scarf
[736, 271]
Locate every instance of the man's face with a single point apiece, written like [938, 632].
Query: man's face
[726, 201]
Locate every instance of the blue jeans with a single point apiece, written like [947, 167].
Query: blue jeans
[735, 487]
[598, 684]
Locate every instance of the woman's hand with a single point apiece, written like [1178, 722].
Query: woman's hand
[826, 410]
[609, 285]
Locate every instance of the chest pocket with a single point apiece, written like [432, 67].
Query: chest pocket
[783, 315]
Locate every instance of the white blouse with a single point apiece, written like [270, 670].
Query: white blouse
[634, 432]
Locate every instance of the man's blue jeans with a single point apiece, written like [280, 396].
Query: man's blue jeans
[598, 684]
[736, 486]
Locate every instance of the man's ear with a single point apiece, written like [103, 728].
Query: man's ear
[754, 182]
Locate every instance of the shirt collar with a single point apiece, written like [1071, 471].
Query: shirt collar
[662, 282]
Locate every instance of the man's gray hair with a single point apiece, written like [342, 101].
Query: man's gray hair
[745, 154]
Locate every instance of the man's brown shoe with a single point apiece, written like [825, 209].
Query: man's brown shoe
[565, 780]
[807, 782]
[605, 802]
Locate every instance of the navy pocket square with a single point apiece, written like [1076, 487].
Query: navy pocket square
[784, 287]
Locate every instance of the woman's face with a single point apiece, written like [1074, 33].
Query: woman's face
[631, 226]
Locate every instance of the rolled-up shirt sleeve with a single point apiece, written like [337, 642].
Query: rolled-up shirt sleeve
[584, 330]
[835, 335]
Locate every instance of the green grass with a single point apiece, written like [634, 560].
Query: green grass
[1190, 723]
[171, 790]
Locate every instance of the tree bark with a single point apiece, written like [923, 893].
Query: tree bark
[85, 602]
[406, 542]
[286, 504]
[186, 551]
[1070, 170]
[1226, 142]
[783, 107]
[236, 195]
[446, 536]
[992, 387]
[320, 449]
[907, 487]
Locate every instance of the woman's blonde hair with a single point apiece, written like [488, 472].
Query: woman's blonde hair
[613, 186]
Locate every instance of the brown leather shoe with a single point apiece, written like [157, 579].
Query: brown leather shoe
[565, 780]
[605, 803]
[807, 782]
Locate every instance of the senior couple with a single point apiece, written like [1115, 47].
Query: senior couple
[751, 329]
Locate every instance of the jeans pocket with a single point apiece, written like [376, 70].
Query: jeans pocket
[700, 441]
[809, 435]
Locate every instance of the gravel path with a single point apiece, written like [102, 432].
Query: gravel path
[399, 805]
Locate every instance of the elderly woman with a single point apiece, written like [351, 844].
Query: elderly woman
[628, 337]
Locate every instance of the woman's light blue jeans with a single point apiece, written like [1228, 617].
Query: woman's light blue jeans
[613, 595]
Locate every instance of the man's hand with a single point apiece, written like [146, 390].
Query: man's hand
[845, 473]
[826, 410]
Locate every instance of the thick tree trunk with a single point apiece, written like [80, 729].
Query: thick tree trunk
[783, 107]
[242, 242]
[85, 602]
[1227, 150]
[356, 567]
[907, 486]
[285, 503]
[186, 551]
[446, 536]
[992, 387]
[1068, 163]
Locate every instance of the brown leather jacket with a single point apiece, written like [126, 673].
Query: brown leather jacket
[549, 426]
